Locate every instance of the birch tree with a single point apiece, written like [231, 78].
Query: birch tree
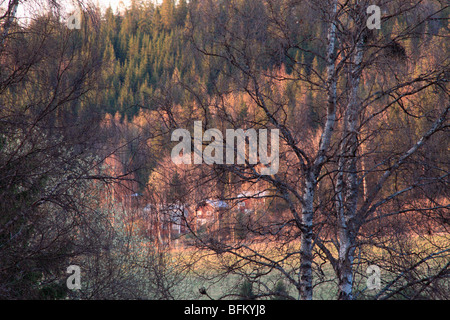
[366, 77]
[353, 210]
[299, 196]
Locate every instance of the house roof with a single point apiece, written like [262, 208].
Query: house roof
[217, 203]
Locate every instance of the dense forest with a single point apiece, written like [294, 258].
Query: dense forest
[86, 175]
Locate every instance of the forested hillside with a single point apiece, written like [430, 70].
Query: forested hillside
[87, 175]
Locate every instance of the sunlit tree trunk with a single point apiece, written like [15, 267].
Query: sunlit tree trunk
[311, 177]
[10, 15]
[347, 183]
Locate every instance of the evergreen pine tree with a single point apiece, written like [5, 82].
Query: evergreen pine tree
[168, 14]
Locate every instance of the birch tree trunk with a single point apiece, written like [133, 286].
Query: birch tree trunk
[10, 15]
[347, 181]
[306, 281]
[306, 240]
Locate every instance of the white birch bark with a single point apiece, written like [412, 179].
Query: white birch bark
[347, 181]
[10, 15]
[310, 187]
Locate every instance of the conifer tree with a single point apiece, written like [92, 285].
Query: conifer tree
[168, 14]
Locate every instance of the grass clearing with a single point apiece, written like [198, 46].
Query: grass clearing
[223, 275]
